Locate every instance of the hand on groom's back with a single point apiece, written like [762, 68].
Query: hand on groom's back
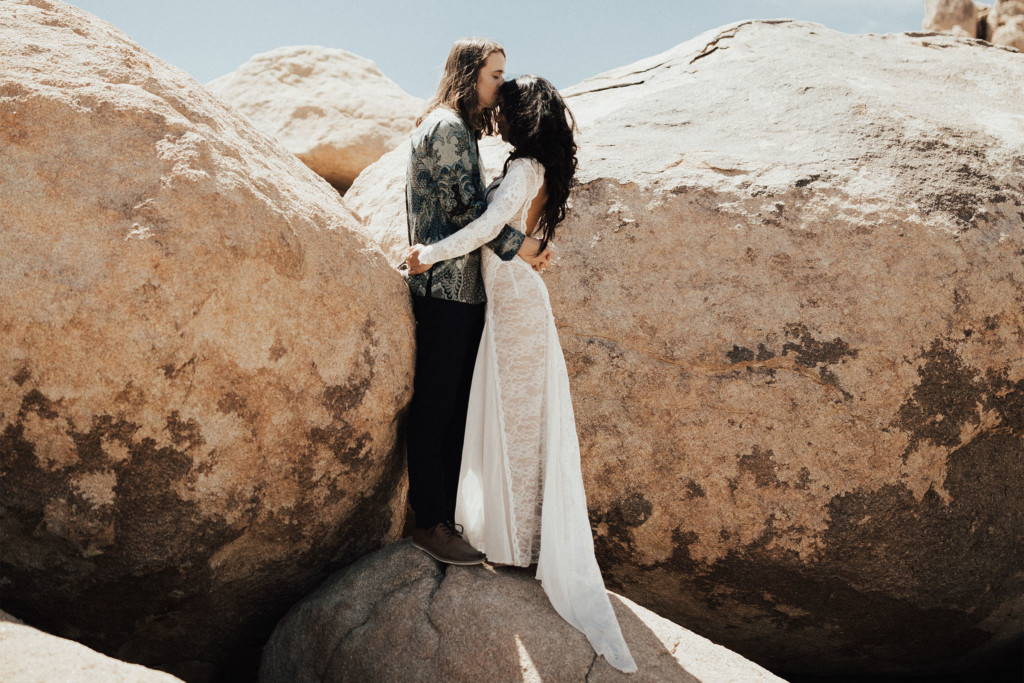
[413, 262]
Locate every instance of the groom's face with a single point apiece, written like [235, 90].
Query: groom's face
[492, 73]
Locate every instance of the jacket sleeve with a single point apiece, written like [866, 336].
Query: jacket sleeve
[460, 193]
[512, 193]
[506, 244]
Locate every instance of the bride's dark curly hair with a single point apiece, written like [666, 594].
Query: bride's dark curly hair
[538, 127]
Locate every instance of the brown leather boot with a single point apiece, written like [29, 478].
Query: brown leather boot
[444, 542]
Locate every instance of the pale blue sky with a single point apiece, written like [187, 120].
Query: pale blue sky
[409, 39]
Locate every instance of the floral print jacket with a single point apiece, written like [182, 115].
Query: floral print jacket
[444, 190]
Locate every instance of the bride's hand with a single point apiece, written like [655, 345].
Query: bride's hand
[413, 262]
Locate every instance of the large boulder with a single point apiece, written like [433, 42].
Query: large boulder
[1006, 23]
[398, 615]
[203, 362]
[789, 298]
[28, 655]
[956, 17]
[332, 108]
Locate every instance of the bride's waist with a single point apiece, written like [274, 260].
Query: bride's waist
[492, 260]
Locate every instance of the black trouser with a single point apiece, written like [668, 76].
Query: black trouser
[447, 338]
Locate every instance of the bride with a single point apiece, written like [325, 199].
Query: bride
[520, 494]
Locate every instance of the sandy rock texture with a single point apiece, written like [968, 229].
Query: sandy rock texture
[956, 17]
[398, 615]
[790, 299]
[28, 655]
[203, 366]
[1006, 23]
[332, 108]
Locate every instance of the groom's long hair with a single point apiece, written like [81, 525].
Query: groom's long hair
[457, 89]
[541, 126]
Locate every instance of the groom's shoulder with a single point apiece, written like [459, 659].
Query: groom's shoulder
[443, 116]
[441, 122]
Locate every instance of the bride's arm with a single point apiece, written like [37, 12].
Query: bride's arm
[508, 201]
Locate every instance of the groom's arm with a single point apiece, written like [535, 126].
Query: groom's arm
[460, 193]
[510, 242]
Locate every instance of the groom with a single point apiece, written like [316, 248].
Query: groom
[444, 192]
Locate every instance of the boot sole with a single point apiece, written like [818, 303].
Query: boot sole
[448, 561]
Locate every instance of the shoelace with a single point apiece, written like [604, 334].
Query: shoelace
[452, 530]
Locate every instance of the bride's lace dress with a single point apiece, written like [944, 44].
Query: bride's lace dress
[520, 497]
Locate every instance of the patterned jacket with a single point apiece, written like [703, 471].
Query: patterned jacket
[444, 190]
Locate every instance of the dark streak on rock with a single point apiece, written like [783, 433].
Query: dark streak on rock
[899, 584]
[759, 370]
[803, 479]
[944, 400]
[184, 432]
[626, 514]
[134, 579]
[829, 377]
[740, 354]
[810, 351]
[277, 350]
[760, 464]
[145, 555]
[22, 375]
[172, 372]
[35, 402]
[339, 437]
[232, 403]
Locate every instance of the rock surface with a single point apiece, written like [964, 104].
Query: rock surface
[28, 655]
[397, 615]
[203, 361]
[1006, 23]
[789, 298]
[332, 108]
[956, 17]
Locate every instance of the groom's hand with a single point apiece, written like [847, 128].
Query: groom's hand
[543, 260]
[413, 262]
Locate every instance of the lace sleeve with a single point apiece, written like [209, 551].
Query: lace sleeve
[508, 201]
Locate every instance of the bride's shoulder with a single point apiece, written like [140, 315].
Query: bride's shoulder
[528, 163]
[528, 167]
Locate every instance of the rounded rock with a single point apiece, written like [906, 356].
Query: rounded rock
[203, 364]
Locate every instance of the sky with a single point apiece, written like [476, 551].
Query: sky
[409, 39]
